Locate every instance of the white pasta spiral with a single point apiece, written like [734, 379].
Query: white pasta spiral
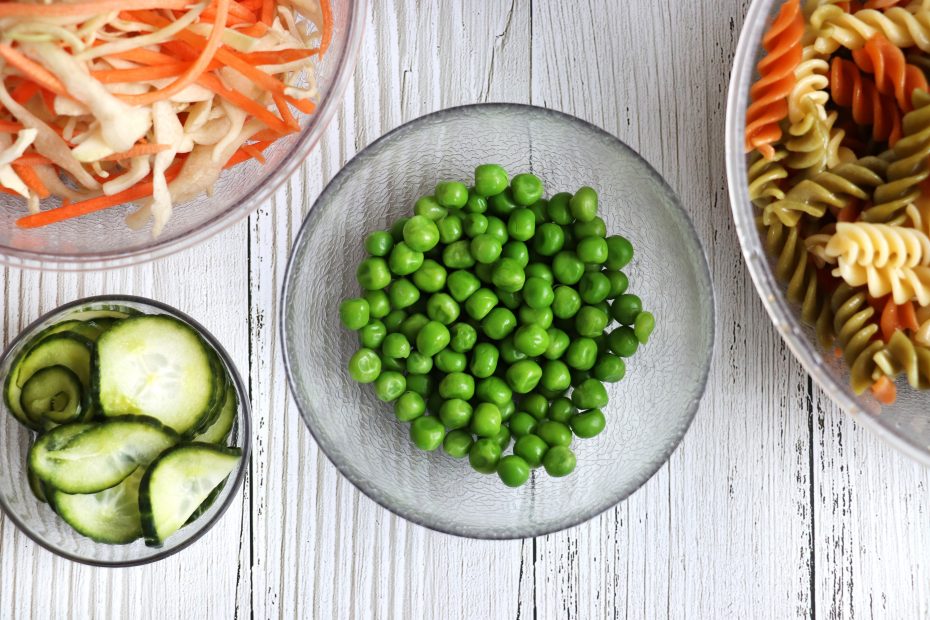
[905, 28]
[809, 94]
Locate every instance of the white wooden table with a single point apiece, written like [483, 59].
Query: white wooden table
[775, 505]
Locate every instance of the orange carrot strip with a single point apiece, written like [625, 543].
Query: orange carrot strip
[242, 154]
[304, 105]
[32, 159]
[267, 12]
[242, 102]
[33, 70]
[31, 180]
[48, 98]
[907, 317]
[137, 151]
[884, 391]
[255, 30]
[889, 320]
[327, 35]
[117, 76]
[24, 92]
[279, 57]
[5, 190]
[146, 57]
[254, 153]
[94, 7]
[10, 127]
[285, 111]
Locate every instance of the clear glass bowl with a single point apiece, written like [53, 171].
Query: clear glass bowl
[40, 523]
[102, 240]
[649, 411]
[906, 424]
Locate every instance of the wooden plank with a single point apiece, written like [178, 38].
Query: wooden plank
[322, 549]
[202, 581]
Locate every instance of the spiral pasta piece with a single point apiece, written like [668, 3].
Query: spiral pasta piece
[909, 168]
[856, 330]
[851, 89]
[809, 96]
[901, 355]
[837, 28]
[893, 75]
[769, 94]
[764, 176]
[835, 189]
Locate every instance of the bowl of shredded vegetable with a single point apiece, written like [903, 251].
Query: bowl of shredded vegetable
[131, 129]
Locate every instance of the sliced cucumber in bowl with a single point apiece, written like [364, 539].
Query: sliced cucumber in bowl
[54, 394]
[110, 516]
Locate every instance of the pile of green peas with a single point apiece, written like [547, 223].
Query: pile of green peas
[485, 318]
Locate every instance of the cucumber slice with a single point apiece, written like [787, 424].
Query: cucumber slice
[101, 456]
[38, 489]
[93, 313]
[219, 430]
[110, 516]
[63, 349]
[178, 483]
[156, 366]
[53, 394]
[221, 377]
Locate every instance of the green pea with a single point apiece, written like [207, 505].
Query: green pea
[378, 304]
[524, 376]
[497, 229]
[498, 323]
[373, 274]
[484, 359]
[484, 456]
[503, 204]
[457, 443]
[427, 433]
[379, 243]
[521, 225]
[561, 410]
[518, 251]
[441, 307]
[538, 209]
[502, 437]
[484, 272]
[429, 207]
[513, 471]
[643, 326]
[412, 325]
[392, 364]
[390, 385]
[549, 239]
[522, 424]
[396, 346]
[532, 340]
[481, 303]
[485, 249]
[558, 343]
[419, 364]
[450, 361]
[394, 320]
[509, 352]
[462, 284]
[403, 293]
[559, 461]
[409, 406]
[588, 424]
[457, 255]
[372, 335]
[594, 287]
[508, 275]
[583, 204]
[535, 404]
[538, 293]
[609, 368]
[421, 384]
[626, 308]
[433, 338]
[494, 390]
[592, 250]
[397, 229]
[507, 410]
[531, 449]
[452, 194]
[455, 413]
[457, 385]
[618, 283]
[510, 300]
[527, 189]
[619, 252]
[421, 234]
[554, 433]
[476, 203]
[541, 271]
[430, 277]
[464, 337]
[566, 302]
[354, 313]
[582, 354]
[567, 267]
[404, 260]
[531, 316]
[593, 228]
[623, 341]
[365, 366]
[486, 420]
[591, 322]
[556, 376]
[490, 179]
[475, 224]
[558, 210]
[591, 394]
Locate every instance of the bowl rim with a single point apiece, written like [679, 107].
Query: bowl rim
[235, 212]
[362, 485]
[244, 420]
[767, 287]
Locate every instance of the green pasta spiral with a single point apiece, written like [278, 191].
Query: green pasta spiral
[856, 334]
[810, 143]
[902, 355]
[764, 175]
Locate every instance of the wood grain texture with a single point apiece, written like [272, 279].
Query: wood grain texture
[775, 505]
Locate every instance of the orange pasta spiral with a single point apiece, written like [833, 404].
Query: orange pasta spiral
[882, 5]
[769, 94]
[893, 75]
[849, 88]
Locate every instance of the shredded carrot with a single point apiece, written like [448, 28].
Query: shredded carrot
[884, 391]
[304, 105]
[10, 127]
[32, 180]
[254, 153]
[279, 57]
[92, 7]
[6, 190]
[24, 92]
[889, 320]
[327, 36]
[137, 151]
[907, 317]
[244, 155]
[285, 111]
[255, 30]
[242, 102]
[267, 12]
[33, 159]
[34, 71]
[122, 76]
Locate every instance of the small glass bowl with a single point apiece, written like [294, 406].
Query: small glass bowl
[39, 522]
[649, 411]
[906, 424]
[102, 240]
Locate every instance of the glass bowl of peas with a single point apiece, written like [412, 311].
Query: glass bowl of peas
[497, 321]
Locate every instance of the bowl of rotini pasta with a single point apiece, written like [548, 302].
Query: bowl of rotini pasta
[828, 156]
